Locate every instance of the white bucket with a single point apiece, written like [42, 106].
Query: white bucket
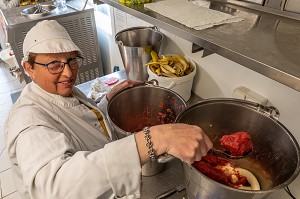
[181, 85]
[7, 56]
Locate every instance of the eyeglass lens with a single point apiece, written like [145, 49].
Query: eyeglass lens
[57, 67]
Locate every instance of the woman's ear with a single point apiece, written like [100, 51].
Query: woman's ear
[28, 69]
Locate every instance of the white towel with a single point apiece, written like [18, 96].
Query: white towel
[190, 14]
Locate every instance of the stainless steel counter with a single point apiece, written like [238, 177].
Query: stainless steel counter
[172, 175]
[265, 42]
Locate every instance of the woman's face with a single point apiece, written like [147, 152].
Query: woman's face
[59, 84]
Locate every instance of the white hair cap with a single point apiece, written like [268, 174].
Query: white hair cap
[48, 36]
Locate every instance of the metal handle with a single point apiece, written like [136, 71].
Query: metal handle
[152, 82]
[170, 192]
[155, 28]
[164, 158]
[273, 112]
[268, 110]
[120, 43]
[167, 194]
[133, 29]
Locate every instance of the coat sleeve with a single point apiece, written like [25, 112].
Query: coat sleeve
[51, 167]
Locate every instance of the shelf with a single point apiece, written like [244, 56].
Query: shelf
[265, 42]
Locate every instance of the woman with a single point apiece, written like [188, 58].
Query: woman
[60, 143]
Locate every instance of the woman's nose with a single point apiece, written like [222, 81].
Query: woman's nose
[67, 71]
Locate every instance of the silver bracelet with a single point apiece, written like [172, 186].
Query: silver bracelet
[149, 144]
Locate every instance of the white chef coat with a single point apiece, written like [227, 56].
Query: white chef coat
[57, 149]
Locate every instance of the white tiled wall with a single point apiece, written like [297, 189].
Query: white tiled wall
[8, 85]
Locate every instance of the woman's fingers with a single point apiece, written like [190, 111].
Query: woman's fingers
[124, 84]
[206, 145]
[186, 142]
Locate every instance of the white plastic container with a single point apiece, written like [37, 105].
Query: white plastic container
[8, 57]
[61, 5]
[181, 85]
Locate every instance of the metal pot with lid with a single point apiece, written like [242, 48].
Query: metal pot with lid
[274, 161]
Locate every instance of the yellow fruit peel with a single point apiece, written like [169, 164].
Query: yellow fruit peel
[169, 66]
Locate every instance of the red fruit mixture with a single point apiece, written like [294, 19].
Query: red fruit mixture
[237, 144]
[210, 165]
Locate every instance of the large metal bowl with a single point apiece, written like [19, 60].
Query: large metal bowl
[38, 11]
[275, 160]
[132, 109]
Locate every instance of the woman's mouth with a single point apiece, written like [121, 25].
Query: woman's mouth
[66, 83]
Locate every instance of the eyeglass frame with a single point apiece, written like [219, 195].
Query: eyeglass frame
[62, 68]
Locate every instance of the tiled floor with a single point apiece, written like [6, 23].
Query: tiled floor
[8, 85]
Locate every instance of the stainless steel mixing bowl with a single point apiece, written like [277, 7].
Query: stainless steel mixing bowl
[147, 104]
[131, 109]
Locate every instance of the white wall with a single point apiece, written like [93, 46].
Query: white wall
[105, 24]
[218, 77]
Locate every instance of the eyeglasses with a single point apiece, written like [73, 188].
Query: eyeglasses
[56, 67]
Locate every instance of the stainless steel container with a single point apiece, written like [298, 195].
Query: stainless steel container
[145, 104]
[135, 45]
[38, 11]
[275, 160]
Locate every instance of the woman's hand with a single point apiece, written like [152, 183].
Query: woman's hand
[124, 84]
[186, 142]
